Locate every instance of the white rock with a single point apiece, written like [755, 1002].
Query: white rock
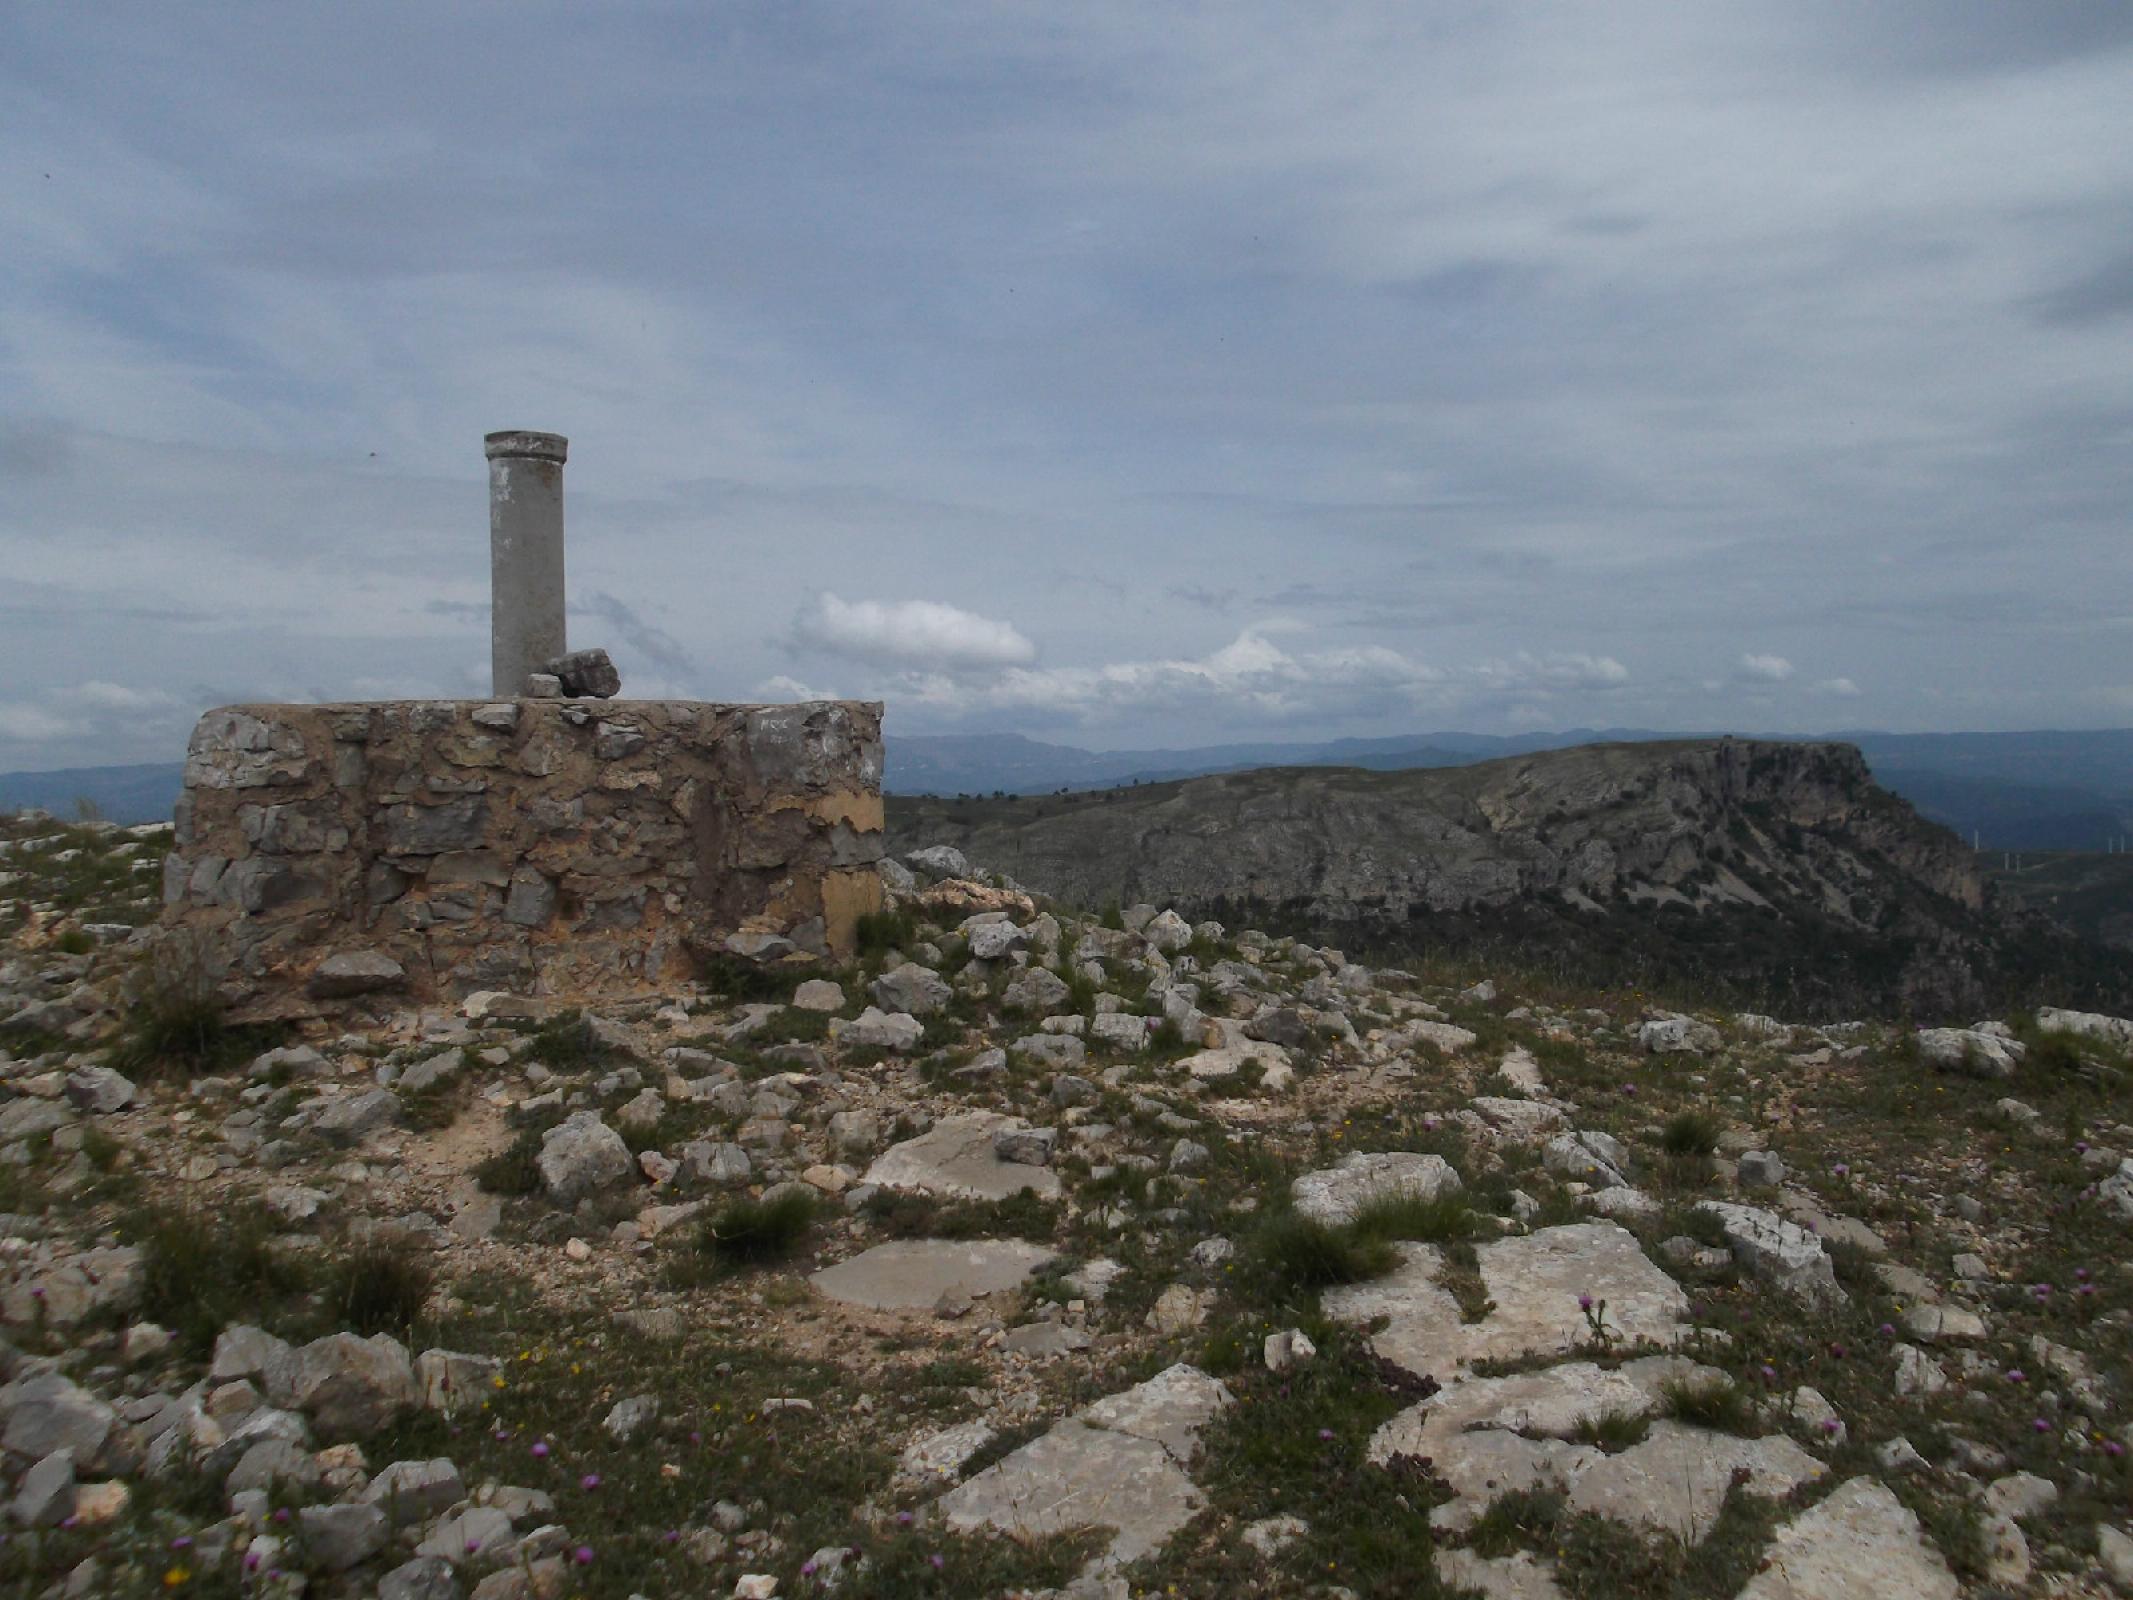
[1118, 1464]
[1969, 1050]
[1333, 1195]
[1861, 1540]
[1777, 1251]
[955, 1158]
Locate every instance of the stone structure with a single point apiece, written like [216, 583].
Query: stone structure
[525, 556]
[421, 850]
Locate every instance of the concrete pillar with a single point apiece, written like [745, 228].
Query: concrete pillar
[525, 555]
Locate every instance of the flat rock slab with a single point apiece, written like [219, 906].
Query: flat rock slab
[1535, 1282]
[1334, 1194]
[937, 1458]
[1488, 1436]
[1518, 1576]
[955, 1159]
[913, 1274]
[1516, 1119]
[1118, 1464]
[1862, 1540]
[1521, 1071]
[1675, 1481]
[1226, 1059]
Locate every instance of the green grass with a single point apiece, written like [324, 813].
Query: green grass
[1598, 1559]
[378, 1286]
[1690, 1132]
[879, 932]
[566, 1043]
[1299, 1442]
[1022, 1215]
[1437, 1219]
[175, 1020]
[750, 1233]
[1300, 1254]
[738, 982]
[200, 1273]
[513, 1170]
[1716, 1403]
[1613, 1432]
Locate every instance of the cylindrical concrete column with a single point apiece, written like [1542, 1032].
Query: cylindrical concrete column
[525, 555]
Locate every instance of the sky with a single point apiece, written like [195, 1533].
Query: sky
[1118, 374]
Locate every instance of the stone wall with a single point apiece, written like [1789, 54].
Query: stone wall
[420, 850]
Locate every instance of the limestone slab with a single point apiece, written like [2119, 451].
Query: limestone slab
[1119, 1464]
[1333, 1195]
[936, 1458]
[913, 1274]
[1862, 1540]
[1675, 1481]
[1518, 1576]
[1536, 1282]
[1516, 1119]
[1489, 1436]
[955, 1159]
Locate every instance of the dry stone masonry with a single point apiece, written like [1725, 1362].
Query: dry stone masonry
[428, 849]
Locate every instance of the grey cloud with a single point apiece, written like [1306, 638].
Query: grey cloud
[1462, 335]
[2106, 292]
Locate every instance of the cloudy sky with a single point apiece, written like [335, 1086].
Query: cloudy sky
[1121, 374]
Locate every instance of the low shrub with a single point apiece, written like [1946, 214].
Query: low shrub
[1717, 1403]
[1436, 1219]
[513, 1170]
[1690, 1133]
[747, 1233]
[1303, 1254]
[379, 1286]
[201, 1273]
[175, 1016]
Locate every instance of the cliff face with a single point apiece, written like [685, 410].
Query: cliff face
[1781, 870]
[1700, 825]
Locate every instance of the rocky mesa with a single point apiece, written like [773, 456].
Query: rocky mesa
[1781, 872]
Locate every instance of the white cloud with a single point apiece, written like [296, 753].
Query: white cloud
[1765, 669]
[783, 687]
[34, 725]
[1842, 688]
[1253, 679]
[1557, 671]
[101, 696]
[917, 635]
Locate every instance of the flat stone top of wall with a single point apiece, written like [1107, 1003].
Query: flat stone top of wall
[341, 855]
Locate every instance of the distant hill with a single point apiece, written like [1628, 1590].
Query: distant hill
[117, 794]
[1779, 872]
[2089, 893]
[2010, 791]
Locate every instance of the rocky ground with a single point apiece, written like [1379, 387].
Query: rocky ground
[1031, 1255]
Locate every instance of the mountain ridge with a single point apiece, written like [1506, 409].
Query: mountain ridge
[1780, 869]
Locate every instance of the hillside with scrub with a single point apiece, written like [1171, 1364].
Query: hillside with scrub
[1043, 1252]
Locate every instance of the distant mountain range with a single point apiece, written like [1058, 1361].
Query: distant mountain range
[2045, 790]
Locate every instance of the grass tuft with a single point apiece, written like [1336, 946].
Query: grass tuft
[1302, 1254]
[513, 1170]
[748, 1233]
[1690, 1133]
[175, 1016]
[379, 1286]
[1716, 1403]
[199, 1274]
[1437, 1219]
